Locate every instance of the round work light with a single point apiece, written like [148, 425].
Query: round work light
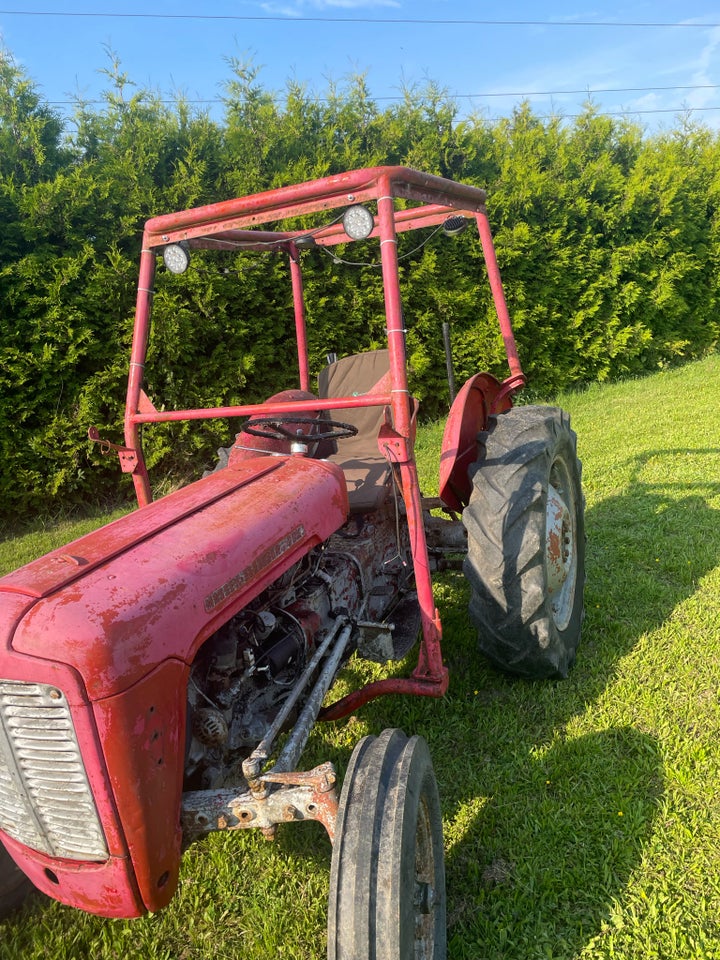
[176, 257]
[358, 222]
[454, 225]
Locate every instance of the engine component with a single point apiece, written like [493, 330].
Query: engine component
[244, 672]
[209, 726]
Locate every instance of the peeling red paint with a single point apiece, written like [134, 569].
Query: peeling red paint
[114, 630]
[480, 396]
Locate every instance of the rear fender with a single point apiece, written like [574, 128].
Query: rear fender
[480, 396]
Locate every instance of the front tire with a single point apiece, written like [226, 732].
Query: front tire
[14, 885]
[526, 542]
[387, 878]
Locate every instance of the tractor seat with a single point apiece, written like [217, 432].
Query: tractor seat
[367, 472]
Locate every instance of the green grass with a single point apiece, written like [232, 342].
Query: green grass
[581, 817]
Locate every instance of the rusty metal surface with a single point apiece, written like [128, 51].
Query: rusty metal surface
[106, 889]
[448, 536]
[252, 766]
[51, 573]
[382, 184]
[249, 699]
[126, 609]
[295, 796]
[295, 744]
[126, 613]
[142, 735]
[227, 220]
[326, 193]
[128, 458]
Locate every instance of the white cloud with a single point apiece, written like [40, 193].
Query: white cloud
[299, 8]
[612, 64]
[707, 72]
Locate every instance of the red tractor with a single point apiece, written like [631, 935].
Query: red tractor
[159, 678]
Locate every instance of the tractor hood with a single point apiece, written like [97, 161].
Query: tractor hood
[154, 584]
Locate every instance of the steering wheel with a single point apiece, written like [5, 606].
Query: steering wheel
[273, 428]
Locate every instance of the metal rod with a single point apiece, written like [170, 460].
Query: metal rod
[300, 324]
[493, 272]
[141, 333]
[290, 753]
[324, 194]
[393, 309]
[265, 409]
[449, 360]
[253, 764]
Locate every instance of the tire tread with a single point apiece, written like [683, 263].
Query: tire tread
[505, 522]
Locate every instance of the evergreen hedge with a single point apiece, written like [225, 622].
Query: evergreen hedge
[606, 237]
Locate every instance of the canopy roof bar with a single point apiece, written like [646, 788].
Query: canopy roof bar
[325, 236]
[328, 193]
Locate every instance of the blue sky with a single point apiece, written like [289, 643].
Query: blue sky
[488, 67]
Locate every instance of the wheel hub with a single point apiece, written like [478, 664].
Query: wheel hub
[560, 556]
[424, 897]
[424, 894]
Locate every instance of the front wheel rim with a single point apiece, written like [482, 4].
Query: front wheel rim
[425, 897]
[560, 544]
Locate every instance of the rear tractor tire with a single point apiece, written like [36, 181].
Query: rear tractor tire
[387, 878]
[526, 542]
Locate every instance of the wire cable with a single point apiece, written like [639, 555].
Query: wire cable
[401, 21]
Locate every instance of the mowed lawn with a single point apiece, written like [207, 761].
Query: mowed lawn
[582, 817]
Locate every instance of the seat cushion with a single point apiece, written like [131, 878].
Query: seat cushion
[352, 377]
[367, 473]
[368, 481]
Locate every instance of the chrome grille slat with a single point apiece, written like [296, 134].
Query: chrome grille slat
[45, 798]
[55, 793]
[40, 763]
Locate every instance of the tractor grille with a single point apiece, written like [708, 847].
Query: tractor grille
[45, 798]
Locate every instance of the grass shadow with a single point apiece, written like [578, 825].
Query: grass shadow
[545, 826]
[554, 845]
